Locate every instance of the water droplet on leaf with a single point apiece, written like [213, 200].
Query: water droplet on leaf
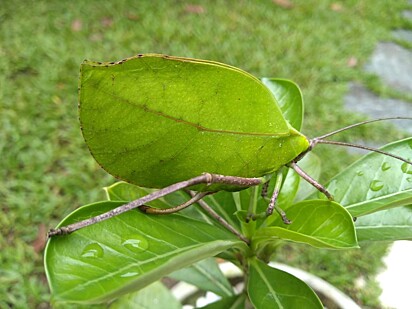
[136, 243]
[406, 168]
[359, 173]
[385, 166]
[93, 250]
[376, 185]
[129, 274]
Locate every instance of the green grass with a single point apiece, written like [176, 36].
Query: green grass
[46, 170]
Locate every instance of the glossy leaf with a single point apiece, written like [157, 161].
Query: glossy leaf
[207, 276]
[375, 182]
[155, 295]
[155, 120]
[289, 98]
[319, 223]
[123, 191]
[222, 202]
[126, 252]
[273, 288]
[387, 225]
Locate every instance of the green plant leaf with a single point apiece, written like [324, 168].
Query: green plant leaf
[224, 203]
[126, 252]
[233, 302]
[273, 288]
[155, 295]
[123, 191]
[375, 182]
[155, 120]
[207, 276]
[319, 223]
[386, 225]
[289, 98]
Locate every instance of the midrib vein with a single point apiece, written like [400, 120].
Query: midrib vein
[199, 127]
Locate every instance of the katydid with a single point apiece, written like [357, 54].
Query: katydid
[169, 122]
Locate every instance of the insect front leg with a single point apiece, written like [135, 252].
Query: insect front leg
[272, 203]
[265, 188]
[310, 180]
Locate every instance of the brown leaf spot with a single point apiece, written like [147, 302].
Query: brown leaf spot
[77, 25]
[194, 9]
[286, 4]
[40, 241]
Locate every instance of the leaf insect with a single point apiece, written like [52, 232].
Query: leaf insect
[177, 123]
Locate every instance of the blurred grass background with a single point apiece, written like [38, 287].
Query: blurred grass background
[46, 170]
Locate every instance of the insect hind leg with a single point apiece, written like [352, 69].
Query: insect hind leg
[166, 211]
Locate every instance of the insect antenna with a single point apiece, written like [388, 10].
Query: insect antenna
[364, 148]
[360, 124]
[321, 139]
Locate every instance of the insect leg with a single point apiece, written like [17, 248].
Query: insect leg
[265, 188]
[165, 211]
[310, 180]
[205, 178]
[272, 203]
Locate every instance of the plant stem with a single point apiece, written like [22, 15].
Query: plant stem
[220, 219]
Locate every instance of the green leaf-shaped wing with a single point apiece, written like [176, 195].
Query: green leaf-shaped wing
[155, 120]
